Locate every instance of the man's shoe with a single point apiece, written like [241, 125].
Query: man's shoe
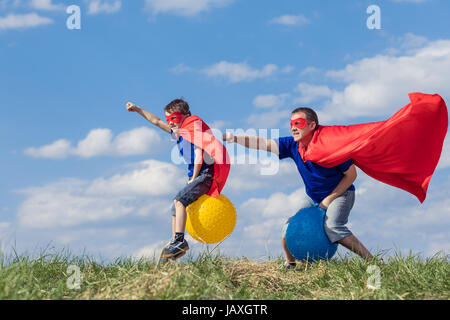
[175, 250]
[290, 265]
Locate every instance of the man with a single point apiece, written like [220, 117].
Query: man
[331, 188]
[402, 151]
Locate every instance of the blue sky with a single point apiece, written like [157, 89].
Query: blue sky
[80, 172]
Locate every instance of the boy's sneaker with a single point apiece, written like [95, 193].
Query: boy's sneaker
[175, 250]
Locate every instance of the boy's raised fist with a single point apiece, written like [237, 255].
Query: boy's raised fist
[131, 107]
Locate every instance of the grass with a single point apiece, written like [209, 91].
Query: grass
[219, 277]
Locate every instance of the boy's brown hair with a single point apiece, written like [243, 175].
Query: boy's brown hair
[178, 105]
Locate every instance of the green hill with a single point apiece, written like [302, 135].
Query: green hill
[220, 277]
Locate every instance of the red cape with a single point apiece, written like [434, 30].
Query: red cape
[199, 134]
[402, 151]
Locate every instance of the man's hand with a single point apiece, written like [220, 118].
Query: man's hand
[131, 107]
[326, 202]
[228, 137]
[323, 206]
[346, 181]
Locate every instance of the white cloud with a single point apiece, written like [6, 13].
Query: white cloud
[234, 72]
[411, 40]
[97, 142]
[265, 216]
[101, 142]
[270, 119]
[290, 20]
[406, 44]
[238, 72]
[444, 161]
[385, 215]
[153, 178]
[68, 236]
[64, 204]
[288, 69]
[183, 7]
[246, 174]
[137, 141]
[9, 4]
[4, 227]
[310, 93]
[277, 204]
[432, 213]
[411, 1]
[270, 100]
[45, 5]
[309, 70]
[149, 252]
[180, 68]
[440, 248]
[218, 124]
[57, 150]
[104, 6]
[143, 191]
[429, 216]
[378, 86]
[21, 21]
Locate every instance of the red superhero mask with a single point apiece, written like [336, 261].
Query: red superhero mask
[299, 123]
[176, 117]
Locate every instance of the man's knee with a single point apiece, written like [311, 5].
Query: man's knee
[334, 226]
[336, 231]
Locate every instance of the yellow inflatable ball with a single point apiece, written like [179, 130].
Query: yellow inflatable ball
[210, 219]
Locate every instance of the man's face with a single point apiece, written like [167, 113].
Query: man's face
[300, 128]
[174, 120]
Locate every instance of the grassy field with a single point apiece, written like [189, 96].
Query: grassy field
[218, 277]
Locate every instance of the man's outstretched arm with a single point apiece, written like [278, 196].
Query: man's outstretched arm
[252, 142]
[131, 107]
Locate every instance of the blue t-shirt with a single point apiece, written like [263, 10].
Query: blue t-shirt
[319, 181]
[186, 150]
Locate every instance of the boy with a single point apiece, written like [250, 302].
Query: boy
[206, 171]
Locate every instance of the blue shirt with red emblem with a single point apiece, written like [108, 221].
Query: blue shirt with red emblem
[319, 181]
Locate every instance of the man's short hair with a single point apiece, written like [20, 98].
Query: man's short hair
[178, 105]
[311, 115]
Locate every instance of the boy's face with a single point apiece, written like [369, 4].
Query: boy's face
[175, 119]
[300, 128]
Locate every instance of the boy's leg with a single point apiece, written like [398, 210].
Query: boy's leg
[178, 246]
[186, 196]
[180, 217]
[174, 223]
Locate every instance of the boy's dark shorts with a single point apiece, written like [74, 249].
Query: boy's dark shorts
[194, 190]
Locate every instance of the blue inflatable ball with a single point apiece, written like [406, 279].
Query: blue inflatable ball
[306, 238]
